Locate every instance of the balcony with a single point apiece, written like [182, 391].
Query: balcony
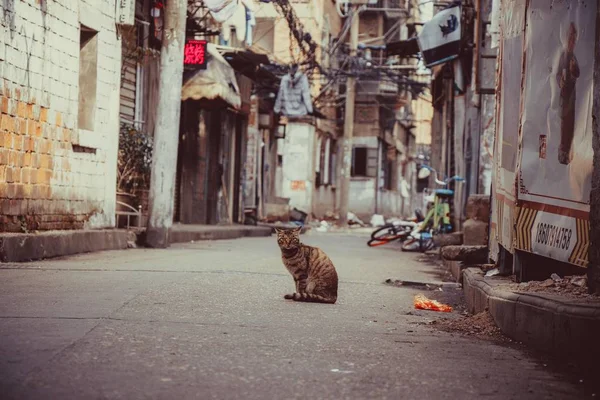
[385, 90]
[391, 8]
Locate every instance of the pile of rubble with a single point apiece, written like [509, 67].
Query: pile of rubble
[573, 286]
[330, 222]
[480, 325]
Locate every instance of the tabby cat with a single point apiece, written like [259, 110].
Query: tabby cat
[314, 273]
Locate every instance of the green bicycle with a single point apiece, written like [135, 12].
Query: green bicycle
[437, 219]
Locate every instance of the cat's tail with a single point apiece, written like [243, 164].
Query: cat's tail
[313, 298]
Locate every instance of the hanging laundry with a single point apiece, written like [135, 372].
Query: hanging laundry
[293, 98]
[250, 24]
[222, 10]
[236, 22]
[225, 35]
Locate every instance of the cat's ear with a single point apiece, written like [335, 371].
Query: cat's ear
[298, 229]
[278, 230]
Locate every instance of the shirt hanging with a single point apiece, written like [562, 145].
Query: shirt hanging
[221, 10]
[293, 99]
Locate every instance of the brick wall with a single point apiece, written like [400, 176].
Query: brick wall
[52, 174]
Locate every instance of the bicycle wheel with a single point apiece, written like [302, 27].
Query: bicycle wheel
[412, 244]
[376, 242]
[384, 231]
[401, 236]
[387, 239]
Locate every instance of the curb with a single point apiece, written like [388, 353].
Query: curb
[23, 247]
[456, 268]
[561, 327]
[273, 226]
[216, 233]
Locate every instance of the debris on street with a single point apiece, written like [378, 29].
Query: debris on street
[354, 220]
[377, 220]
[569, 286]
[423, 303]
[323, 226]
[297, 215]
[480, 325]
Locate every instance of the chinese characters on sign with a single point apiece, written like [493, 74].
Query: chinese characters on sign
[195, 53]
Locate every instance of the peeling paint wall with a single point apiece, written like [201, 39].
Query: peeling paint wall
[297, 179]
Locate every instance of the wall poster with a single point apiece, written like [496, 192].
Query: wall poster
[554, 175]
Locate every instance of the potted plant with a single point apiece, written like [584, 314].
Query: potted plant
[133, 164]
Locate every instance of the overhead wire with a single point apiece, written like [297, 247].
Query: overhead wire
[349, 65]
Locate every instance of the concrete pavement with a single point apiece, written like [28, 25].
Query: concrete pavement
[207, 320]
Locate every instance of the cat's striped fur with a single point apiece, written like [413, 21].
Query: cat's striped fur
[313, 272]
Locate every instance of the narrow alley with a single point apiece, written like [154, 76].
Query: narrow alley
[207, 320]
[162, 163]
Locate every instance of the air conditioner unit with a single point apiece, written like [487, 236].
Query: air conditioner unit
[367, 87]
[125, 12]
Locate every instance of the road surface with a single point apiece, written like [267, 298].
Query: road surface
[207, 320]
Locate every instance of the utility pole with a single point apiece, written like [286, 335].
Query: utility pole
[349, 120]
[166, 134]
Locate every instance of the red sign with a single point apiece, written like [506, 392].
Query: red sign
[195, 53]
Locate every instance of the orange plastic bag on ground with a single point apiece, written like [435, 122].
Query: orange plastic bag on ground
[423, 303]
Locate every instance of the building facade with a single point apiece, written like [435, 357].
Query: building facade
[383, 174]
[544, 158]
[59, 87]
[300, 169]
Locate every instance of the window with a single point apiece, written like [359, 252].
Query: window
[323, 161]
[88, 74]
[155, 39]
[388, 174]
[318, 162]
[332, 162]
[364, 162]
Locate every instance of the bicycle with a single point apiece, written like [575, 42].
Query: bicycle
[437, 220]
[396, 230]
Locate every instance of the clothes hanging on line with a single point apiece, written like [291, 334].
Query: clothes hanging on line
[238, 22]
[250, 24]
[294, 98]
[221, 10]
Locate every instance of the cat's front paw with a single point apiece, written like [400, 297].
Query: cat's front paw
[289, 296]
